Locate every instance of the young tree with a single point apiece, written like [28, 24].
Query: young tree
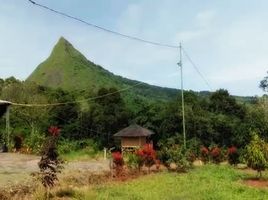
[257, 154]
[264, 83]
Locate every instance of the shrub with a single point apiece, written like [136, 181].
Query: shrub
[215, 154]
[233, 155]
[133, 161]
[256, 154]
[118, 163]
[118, 159]
[174, 153]
[149, 155]
[35, 142]
[140, 158]
[18, 142]
[204, 153]
[146, 156]
[50, 163]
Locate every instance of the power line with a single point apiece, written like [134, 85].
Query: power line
[196, 68]
[102, 28]
[78, 101]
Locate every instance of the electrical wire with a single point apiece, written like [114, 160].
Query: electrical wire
[102, 28]
[196, 68]
[78, 101]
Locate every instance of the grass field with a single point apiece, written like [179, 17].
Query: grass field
[203, 183]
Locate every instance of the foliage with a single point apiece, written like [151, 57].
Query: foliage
[118, 163]
[171, 152]
[133, 161]
[233, 155]
[50, 164]
[146, 156]
[118, 159]
[18, 142]
[256, 154]
[264, 84]
[216, 155]
[204, 153]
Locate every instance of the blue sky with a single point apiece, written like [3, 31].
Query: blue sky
[228, 40]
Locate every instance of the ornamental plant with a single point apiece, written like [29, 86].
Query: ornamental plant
[140, 158]
[149, 155]
[233, 155]
[215, 154]
[256, 154]
[146, 156]
[173, 153]
[50, 164]
[204, 153]
[118, 162]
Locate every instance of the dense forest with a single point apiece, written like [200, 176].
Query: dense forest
[66, 85]
[216, 119]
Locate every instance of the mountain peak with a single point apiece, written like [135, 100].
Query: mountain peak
[63, 41]
[63, 48]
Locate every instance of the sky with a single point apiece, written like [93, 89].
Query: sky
[227, 40]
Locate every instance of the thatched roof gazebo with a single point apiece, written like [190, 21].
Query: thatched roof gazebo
[134, 136]
[3, 107]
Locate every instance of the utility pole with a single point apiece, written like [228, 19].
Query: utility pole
[8, 126]
[182, 99]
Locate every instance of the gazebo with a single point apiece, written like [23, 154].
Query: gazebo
[133, 137]
[3, 107]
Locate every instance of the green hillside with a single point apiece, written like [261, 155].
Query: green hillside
[68, 69]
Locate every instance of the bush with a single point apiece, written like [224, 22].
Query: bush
[50, 163]
[256, 154]
[118, 162]
[174, 153]
[133, 161]
[35, 142]
[146, 156]
[17, 142]
[204, 153]
[233, 155]
[216, 155]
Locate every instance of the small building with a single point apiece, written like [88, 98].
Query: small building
[3, 107]
[134, 137]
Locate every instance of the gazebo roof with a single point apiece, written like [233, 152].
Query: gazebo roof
[134, 131]
[2, 102]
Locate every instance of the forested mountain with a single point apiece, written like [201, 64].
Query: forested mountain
[212, 118]
[68, 69]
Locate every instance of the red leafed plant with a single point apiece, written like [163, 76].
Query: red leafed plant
[232, 150]
[54, 131]
[118, 163]
[216, 154]
[233, 155]
[50, 164]
[147, 156]
[204, 154]
[118, 159]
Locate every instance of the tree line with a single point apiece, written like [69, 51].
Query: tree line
[214, 119]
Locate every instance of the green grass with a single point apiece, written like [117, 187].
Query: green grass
[203, 183]
[81, 155]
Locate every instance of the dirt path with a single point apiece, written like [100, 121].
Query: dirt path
[16, 168]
